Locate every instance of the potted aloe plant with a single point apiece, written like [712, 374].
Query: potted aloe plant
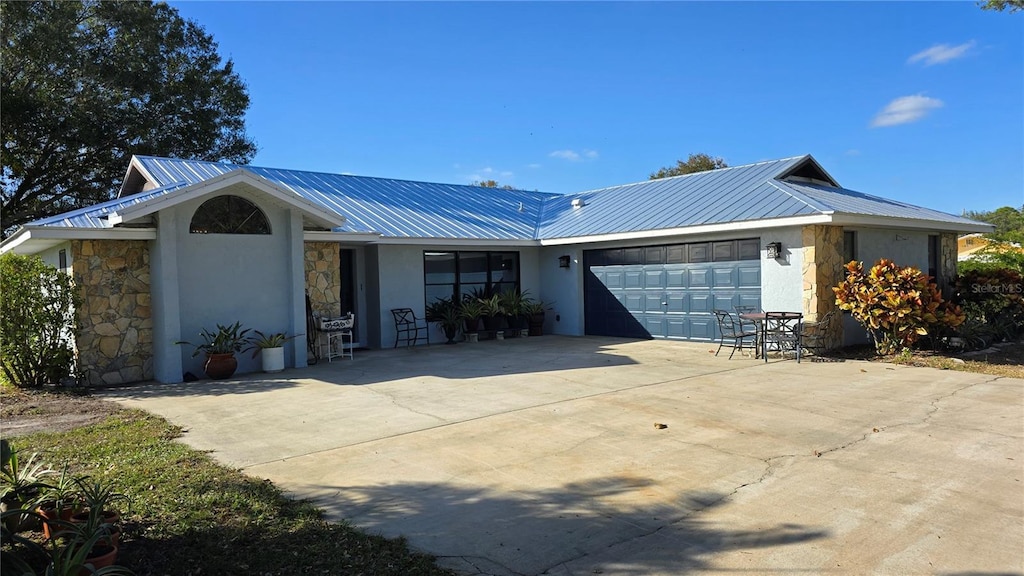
[445, 313]
[270, 348]
[472, 310]
[220, 347]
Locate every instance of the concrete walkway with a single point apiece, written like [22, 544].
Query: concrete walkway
[541, 456]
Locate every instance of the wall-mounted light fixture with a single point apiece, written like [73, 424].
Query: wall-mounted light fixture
[774, 250]
[563, 261]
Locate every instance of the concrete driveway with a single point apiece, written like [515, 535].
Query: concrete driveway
[541, 456]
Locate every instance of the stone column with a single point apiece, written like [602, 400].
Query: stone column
[948, 252]
[115, 325]
[323, 277]
[822, 270]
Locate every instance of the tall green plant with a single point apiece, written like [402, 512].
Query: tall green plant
[896, 305]
[37, 321]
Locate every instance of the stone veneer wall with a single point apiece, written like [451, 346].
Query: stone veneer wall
[115, 324]
[323, 277]
[947, 264]
[822, 270]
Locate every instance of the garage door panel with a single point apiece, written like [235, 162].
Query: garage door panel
[698, 278]
[700, 303]
[675, 278]
[632, 279]
[634, 302]
[669, 291]
[702, 328]
[748, 277]
[725, 301]
[654, 279]
[653, 303]
[676, 302]
[675, 327]
[724, 277]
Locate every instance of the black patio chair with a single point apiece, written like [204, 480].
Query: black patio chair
[815, 334]
[783, 332]
[729, 329]
[408, 327]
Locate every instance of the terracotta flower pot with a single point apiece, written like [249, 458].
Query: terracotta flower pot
[100, 557]
[220, 366]
[49, 513]
[111, 517]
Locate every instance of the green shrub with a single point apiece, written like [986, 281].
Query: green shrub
[36, 322]
[994, 301]
[896, 305]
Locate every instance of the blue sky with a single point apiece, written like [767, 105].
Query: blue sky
[916, 101]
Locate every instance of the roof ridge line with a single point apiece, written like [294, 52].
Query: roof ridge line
[322, 172]
[799, 197]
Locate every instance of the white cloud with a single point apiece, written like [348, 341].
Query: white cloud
[852, 152]
[566, 155]
[488, 173]
[905, 109]
[534, 165]
[941, 53]
[574, 156]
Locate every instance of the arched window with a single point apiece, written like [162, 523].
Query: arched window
[229, 215]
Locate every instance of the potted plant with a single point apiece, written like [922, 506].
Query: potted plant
[59, 500]
[534, 310]
[512, 302]
[270, 348]
[472, 310]
[98, 499]
[220, 348]
[493, 315]
[445, 313]
[21, 483]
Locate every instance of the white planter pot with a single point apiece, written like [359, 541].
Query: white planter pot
[472, 337]
[273, 359]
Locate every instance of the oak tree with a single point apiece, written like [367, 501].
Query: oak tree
[85, 84]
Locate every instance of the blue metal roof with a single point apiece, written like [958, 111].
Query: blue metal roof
[407, 209]
[844, 201]
[715, 197]
[394, 208]
[95, 216]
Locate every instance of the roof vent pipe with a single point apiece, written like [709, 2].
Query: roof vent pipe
[578, 203]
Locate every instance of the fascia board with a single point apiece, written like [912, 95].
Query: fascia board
[455, 242]
[894, 222]
[32, 240]
[238, 176]
[322, 236]
[693, 230]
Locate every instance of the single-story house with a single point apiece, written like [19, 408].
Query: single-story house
[188, 244]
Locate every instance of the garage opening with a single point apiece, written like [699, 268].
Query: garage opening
[669, 291]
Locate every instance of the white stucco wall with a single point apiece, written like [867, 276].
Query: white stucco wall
[51, 256]
[562, 290]
[782, 280]
[210, 279]
[400, 279]
[904, 247]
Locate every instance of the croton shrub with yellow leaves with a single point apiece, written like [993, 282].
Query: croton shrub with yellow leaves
[897, 305]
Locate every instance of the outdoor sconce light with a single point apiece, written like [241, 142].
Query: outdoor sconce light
[774, 250]
[563, 261]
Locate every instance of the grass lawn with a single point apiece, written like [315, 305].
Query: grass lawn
[191, 516]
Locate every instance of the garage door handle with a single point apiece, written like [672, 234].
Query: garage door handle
[664, 303]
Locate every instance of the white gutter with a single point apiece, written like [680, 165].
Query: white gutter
[33, 239]
[692, 230]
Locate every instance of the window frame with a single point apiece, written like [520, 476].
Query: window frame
[456, 285]
[262, 227]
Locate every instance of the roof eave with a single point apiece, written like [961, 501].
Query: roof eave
[35, 239]
[846, 219]
[237, 176]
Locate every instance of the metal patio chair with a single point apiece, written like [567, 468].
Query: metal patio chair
[815, 334]
[729, 329]
[783, 332]
[408, 327]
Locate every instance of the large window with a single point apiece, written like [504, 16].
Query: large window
[455, 274]
[229, 215]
